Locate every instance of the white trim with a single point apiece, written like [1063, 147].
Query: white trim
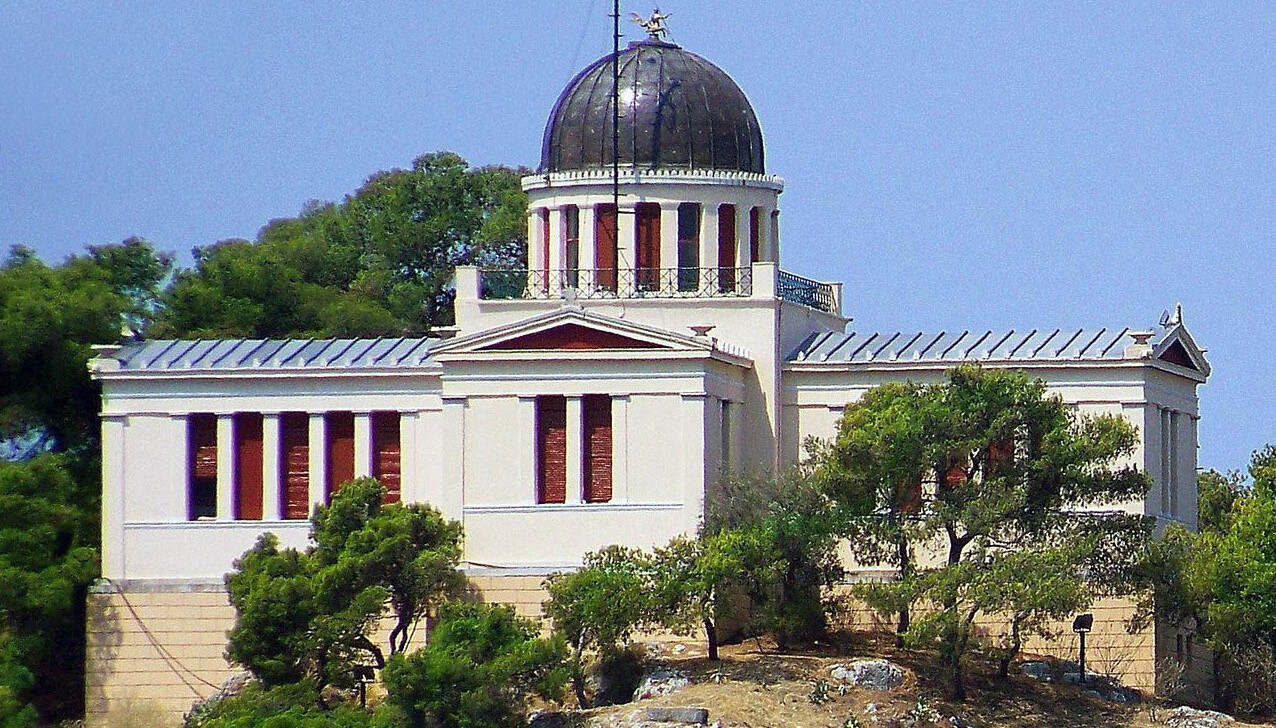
[559, 507]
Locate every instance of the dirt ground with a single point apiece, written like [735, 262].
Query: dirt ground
[753, 686]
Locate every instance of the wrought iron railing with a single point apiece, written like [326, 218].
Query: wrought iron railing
[613, 283]
[804, 291]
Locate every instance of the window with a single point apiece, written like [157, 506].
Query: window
[339, 453]
[775, 236]
[544, 218]
[248, 467]
[201, 457]
[294, 456]
[688, 246]
[551, 449]
[726, 248]
[647, 258]
[755, 234]
[596, 448]
[571, 230]
[386, 453]
[606, 227]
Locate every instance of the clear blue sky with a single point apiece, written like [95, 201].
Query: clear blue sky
[958, 165]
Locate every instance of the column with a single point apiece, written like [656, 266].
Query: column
[588, 263]
[695, 473]
[1164, 427]
[534, 261]
[452, 490]
[575, 431]
[743, 255]
[669, 246]
[620, 449]
[113, 495]
[318, 447]
[1174, 463]
[626, 249]
[363, 444]
[526, 455]
[708, 247]
[271, 508]
[774, 231]
[225, 467]
[557, 250]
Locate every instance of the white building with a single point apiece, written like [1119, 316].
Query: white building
[588, 400]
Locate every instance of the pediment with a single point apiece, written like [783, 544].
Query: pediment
[570, 337]
[1179, 349]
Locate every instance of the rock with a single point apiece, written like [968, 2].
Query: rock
[552, 719]
[661, 681]
[1093, 694]
[1036, 669]
[686, 716]
[234, 685]
[870, 674]
[1185, 717]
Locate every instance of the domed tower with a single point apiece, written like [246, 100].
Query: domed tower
[666, 195]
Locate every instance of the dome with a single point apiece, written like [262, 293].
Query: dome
[677, 110]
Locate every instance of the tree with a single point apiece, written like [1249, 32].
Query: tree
[379, 263]
[1217, 494]
[1014, 487]
[600, 605]
[478, 669]
[312, 614]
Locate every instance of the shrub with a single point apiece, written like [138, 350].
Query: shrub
[288, 706]
[480, 666]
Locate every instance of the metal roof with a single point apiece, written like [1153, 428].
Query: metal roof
[231, 354]
[1102, 344]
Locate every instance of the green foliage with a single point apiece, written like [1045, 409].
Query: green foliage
[1217, 494]
[289, 706]
[378, 263]
[985, 463]
[478, 669]
[15, 681]
[311, 614]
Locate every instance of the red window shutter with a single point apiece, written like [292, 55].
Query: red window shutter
[605, 241]
[386, 454]
[294, 443]
[248, 467]
[1001, 454]
[648, 253]
[545, 246]
[597, 448]
[201, 459]
[551, 449]
[339, 455]
[908, 495]
[726, 247]
[755, 234]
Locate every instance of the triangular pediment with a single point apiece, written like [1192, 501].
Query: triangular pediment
[570, 337]
[1176, 354]
[1180, 350]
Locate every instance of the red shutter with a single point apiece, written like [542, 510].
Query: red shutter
[1001, 455]
[386, 453]
[648, 257]
[597, 448]
[605, 241]
[755, 235]
[340, 451]
[248, 466]
[294, 443]
[545, 246]
[908, 495]
[726, 248]
[551, 449]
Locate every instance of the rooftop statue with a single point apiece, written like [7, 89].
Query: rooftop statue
[655, 25]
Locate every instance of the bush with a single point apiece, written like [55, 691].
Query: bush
[288, 706]
[480, 666]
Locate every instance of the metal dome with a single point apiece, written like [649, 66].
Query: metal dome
[677, 110]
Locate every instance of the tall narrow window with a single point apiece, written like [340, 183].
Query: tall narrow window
[294, 456]
[647, 257]
[596, 448]
[551, 449]
[248, 466]
[755, 234]
[386, 454]
[339, 450]
[201, 456]
[726, 248]
[775, 236]
[544, 217]
[606, 228]
[688, 246]
[571, 231]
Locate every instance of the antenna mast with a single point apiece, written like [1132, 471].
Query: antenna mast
[615, 108]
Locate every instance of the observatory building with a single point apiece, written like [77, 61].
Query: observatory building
[653, 342]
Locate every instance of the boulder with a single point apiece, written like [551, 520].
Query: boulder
[869, 674]
[1037, 670]
[661, 681]
[1185, 717]
[686, 716]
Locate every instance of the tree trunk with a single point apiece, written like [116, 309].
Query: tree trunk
[1012, 650]
[711, 638]
[578, 675]
[905, 571]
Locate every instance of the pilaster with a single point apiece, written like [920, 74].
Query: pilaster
[225, 467]
[363, 444]
[317, 445]
[113, 494]
[271, 508]
[669, 243]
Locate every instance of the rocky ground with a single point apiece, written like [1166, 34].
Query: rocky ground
[864, 683]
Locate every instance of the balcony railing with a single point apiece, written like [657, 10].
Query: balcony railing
[613, 283]
[804, 291]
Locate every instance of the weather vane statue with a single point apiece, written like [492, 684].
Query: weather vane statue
[655, 25]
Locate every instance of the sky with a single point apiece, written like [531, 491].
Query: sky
[958, 165]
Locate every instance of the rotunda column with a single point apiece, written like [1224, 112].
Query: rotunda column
[708, 246]
[668, 247]
[626, 248]
[588, 247]
[557, 250]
